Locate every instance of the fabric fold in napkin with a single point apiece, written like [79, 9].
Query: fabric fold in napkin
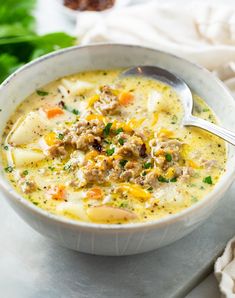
[203, 33]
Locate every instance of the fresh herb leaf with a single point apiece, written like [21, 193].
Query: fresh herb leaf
[208, 180]
[107, 142]
[8, 64]
[42, 93]
[69, 109]
[50, 42]
[75, 111]
[19, 42]
[121, 141]
[6, 148]
[67, 167]
[123, 162]
[147, 165]
[119, 130]
[174, 119]
[9, 169]
[107, 128]
[123, 205]
[25, 173]
[168, 157]
[144, 173]
[150, 189]
[60, 136]
[51, 168]
[194, 199]
[110, 151]
[162, 179]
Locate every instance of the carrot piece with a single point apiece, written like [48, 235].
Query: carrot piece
[57, 193]
[53, 112]
[125, 98]
[95, 193]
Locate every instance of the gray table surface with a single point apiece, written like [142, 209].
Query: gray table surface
[32, 266]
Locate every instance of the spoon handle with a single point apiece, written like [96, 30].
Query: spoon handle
[223, 133]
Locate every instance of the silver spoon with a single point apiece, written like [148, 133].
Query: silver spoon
[185, 94]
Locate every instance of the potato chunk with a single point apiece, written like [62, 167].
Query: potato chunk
[109, 214]
[77, 87]
[24, 157]
[153, 101]
[72, 209]
[30, 129]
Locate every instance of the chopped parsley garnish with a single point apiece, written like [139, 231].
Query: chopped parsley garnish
[107, 128]
[194, 199]
[60, 136]
[123, 162]
[119, 130]
[147, 165]
[67, 167]
[144, 173]
[25, 173]
[174, 119]
[208, 180]
[150, 189]
[9, 169]
[6, 147]
[162, 179]
[121, 141]
[51, 168]
[42, 93]
[110, 151]
[168, 157]
[69, 109]
[123, 205]
[75, 111]
[107, 142]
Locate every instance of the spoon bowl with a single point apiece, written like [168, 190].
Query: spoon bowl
[185, 95]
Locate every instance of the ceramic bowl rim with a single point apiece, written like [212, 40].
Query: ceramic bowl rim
[222, 185]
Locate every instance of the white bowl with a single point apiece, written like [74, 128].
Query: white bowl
[114, 239]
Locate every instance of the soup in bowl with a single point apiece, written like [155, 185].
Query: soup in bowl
[87, 153]
[97, 148]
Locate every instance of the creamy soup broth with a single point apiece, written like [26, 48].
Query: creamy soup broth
[93, 147]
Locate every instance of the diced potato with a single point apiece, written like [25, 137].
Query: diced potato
[76, 88]
[110, 214]
[78, 157]
[24, 157]
[81, 178]
[30, 129]
[72, 209]
[153, 99]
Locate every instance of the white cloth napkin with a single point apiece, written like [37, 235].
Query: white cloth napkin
[201, 32]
